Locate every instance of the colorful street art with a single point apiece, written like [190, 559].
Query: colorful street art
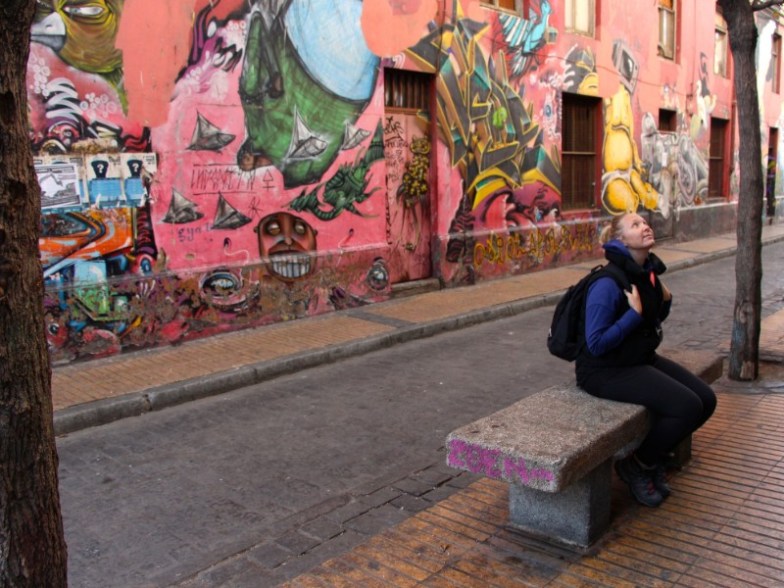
[306, 76]
[525, 37]
[207, 222]
[83, 36]
[676, 169]
[235, 163]
[494, 143]
[408, 155]
[624, 189]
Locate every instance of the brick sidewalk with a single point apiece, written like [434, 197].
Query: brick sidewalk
[721, 527]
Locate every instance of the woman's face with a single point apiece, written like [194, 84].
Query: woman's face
[635, 232]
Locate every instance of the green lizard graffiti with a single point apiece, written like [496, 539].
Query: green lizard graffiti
[345, 189]
[341, 192]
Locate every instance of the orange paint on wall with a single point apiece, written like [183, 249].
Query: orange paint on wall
[155, 38]
[390, 26]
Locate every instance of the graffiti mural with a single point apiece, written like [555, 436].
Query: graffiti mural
[344, 190]
[83, 36]
[580, 76]
[213, 165]
[624, 187]
[306, 75]
[203, 223]
[705, 101]
[493, 140]
[408, 154]
[525, 37]
[676, 169]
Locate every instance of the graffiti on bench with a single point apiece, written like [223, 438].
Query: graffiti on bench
[493, 464]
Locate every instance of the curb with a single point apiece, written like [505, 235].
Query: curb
[104, 411]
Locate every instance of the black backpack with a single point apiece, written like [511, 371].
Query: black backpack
[567, 329]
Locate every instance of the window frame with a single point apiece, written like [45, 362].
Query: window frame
[717, 160]
[664, 51]
[407, 90]
[574, 5]
[720, 31]
[520, 9]
[591, 150]
[775, 82]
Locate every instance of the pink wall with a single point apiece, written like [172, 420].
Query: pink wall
[208, 166]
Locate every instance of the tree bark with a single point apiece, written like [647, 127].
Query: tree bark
[744, 343]
[32, 544]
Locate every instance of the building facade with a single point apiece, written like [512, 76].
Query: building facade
[211, 165]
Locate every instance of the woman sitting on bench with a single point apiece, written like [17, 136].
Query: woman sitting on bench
[619, 360]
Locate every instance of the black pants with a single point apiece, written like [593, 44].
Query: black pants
[678, 401]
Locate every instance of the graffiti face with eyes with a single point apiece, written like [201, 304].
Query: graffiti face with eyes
[82, 32]
[288, 244]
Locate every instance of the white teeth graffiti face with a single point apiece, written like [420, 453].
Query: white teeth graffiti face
[289, 267]
[288, 245]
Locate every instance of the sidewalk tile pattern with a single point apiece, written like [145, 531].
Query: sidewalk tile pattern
[79, 383]
[671, 256]
[721, 527]
[705, 245]
[451, 302]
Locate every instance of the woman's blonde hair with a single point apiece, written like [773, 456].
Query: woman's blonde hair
[613, 229]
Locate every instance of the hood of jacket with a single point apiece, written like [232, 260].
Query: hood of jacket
[617, 253]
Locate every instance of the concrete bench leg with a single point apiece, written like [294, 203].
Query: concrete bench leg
[576, 516]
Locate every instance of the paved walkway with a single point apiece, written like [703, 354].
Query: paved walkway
[723, 525]
[100, 391]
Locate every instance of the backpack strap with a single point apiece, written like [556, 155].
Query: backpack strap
[600, 271]
[613, 271]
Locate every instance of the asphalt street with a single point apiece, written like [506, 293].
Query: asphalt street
[267, 481]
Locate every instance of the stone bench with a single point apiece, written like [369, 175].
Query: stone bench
[555, 448]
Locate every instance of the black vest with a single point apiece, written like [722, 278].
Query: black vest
[640, 345]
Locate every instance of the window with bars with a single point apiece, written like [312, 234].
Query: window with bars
[581, 143]
[667, 24]
[406, 90]
[718, 137]
[720, 47]
[580, 16]
[515, 6]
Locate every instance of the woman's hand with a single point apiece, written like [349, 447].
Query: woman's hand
[633, 298]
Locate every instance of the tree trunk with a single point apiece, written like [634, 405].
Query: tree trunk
[32, 545]
[744, 343]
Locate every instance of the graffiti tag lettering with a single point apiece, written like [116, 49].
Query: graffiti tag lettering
[187, 234]
[493, 464]
[500, 249]
[221, 178]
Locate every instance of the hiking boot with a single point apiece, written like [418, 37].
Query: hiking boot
[639, 481]
[659, 478]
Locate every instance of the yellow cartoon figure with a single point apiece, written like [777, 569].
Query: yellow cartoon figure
[623, 187]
